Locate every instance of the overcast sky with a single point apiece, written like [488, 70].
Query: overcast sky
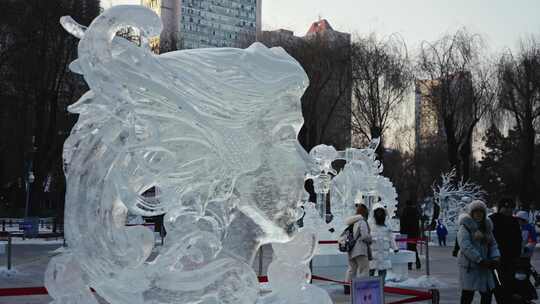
[502, 22]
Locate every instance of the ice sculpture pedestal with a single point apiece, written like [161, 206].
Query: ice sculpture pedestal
[400, 261]
[330, 262]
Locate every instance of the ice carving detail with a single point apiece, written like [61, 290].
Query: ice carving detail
[214, 132]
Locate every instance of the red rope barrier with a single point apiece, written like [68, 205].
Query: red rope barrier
[408, 240]
[22, 291]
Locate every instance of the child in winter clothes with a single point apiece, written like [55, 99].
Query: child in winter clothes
[383, 242]
[528, 234]
[442, 232]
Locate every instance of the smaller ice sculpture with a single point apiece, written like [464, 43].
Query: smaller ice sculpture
[360, 178]
[323, 155]
[453, 196]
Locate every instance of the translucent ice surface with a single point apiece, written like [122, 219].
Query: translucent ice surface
[453, 195]
[360, 181]
[213, 132]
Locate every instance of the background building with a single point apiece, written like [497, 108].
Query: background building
[429, 128]
[324, 53]
[206, 23]
[436, 99]
[429, 125]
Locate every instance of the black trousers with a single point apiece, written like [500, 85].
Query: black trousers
[412, 247]
[467, 297]
[442, 241]
[504, 292]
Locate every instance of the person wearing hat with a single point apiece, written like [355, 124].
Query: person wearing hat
[383, 242]
[508, 236]
[478, 254]
[528, 234]
[410, 225]
[523, 267]
[358, 256]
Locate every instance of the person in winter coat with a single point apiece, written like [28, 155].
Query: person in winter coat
[383, 242]
[528, 234]
[442, 232]
[478, 254]
[410, 225]
[358, 256]
[508, 236]
[523, 267]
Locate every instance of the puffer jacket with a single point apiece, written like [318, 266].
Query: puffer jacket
[382, 247]
[383, 241]
[475, 246]
[361, 232]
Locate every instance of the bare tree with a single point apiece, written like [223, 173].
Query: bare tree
[459, 82]
[35, 90]
[381, 77]
[519, 98]
[326, 102]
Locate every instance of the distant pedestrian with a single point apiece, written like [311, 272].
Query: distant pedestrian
[410, 225]
[524, 268]
[508, 236]
[528, 234]
[358, 256]
[442, 232]
[478, 254]
[383, 243]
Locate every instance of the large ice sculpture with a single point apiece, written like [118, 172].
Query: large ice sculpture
[215, 131]
[359, 181]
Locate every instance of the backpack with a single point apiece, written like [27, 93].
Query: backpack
[347, 240]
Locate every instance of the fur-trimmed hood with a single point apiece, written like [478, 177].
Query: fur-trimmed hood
[467, 221]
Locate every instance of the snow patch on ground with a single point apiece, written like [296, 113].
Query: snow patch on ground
[426, 282]
[58, 250]
[5, 273]
[20, 241]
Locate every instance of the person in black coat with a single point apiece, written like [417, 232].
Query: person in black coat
[410, 225]
[507, 233]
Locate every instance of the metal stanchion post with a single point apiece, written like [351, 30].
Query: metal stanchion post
[161, 233]
[261, 261]
[435, 296]
[8, 252]
[427, 251]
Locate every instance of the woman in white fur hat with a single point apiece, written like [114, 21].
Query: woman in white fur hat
[478, 254]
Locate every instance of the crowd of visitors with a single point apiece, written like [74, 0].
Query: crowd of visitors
[493, 250]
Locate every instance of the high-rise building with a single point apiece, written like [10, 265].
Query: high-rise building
[324, 53]
[429, 125]
[207, 23]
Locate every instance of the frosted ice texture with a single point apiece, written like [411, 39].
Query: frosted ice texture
[361, 177]
[290, 274]
[453, 196]
[215, 131]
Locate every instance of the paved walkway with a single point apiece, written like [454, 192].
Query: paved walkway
[31, 260]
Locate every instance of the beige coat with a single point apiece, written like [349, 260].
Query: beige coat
[360, 226]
